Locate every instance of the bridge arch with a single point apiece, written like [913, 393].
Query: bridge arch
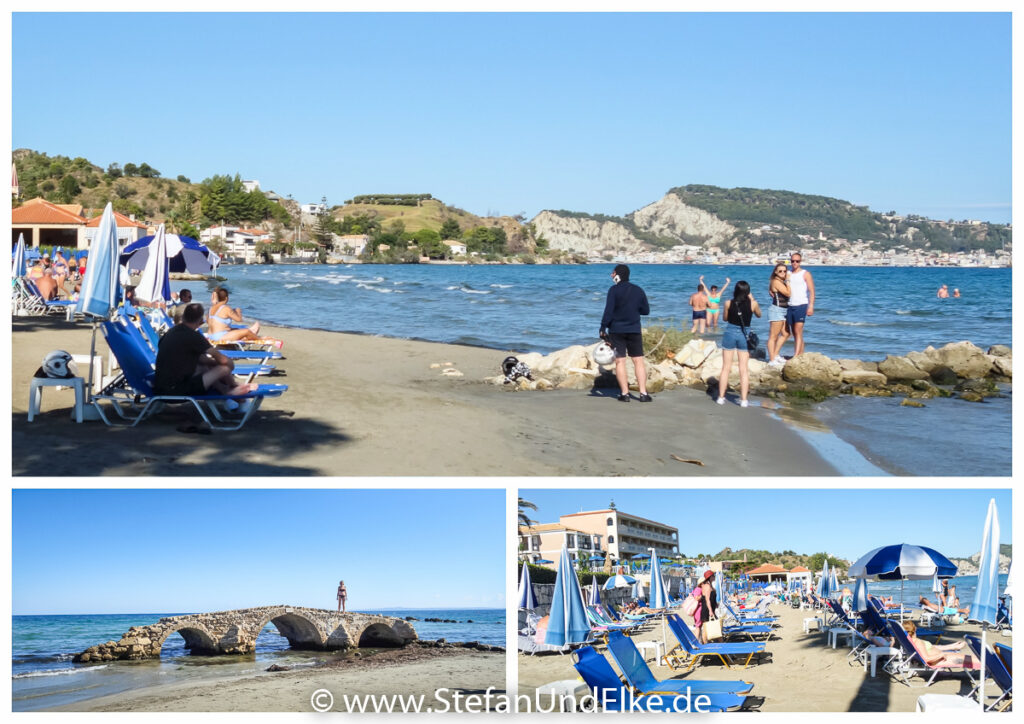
[301, 631]
[198, 640]
[379, 635]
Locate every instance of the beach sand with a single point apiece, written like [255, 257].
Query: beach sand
[804, 673]
[468, 672]
[364, 405]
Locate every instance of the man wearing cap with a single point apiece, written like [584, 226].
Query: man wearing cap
[620, 325]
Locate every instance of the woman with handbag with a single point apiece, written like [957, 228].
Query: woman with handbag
[707, 604]
[738, 339]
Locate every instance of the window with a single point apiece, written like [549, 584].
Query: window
[611, 539]
[611, 521]
[570, 540]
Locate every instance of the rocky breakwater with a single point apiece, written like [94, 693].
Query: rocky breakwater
[958, 369]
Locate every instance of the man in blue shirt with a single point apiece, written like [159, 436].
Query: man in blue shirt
[620, 325]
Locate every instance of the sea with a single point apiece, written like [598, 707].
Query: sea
[43, 646]
[860, 312]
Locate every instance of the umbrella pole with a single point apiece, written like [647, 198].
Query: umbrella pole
[901, 602]
[984, 647]
[92, 357]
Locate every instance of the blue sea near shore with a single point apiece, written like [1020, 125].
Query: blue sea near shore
[861, 312]
[43, 646]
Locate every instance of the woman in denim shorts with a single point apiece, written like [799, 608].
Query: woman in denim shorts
[739, 312]
[778, 330]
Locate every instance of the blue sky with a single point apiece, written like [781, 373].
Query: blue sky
[509, 113]
[845, 523]
[143, 551]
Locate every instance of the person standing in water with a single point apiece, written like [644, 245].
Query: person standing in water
[342, 596]
[801, 301]
[714, 301]
[699, 304]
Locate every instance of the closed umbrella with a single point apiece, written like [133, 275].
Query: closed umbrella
[639, 594]
[659, 595]
[834, 583]
[527, 598]
[155, 284]
[985, 607]
[824, 583]
[18, 269]
[595, 592]
[184, 254]
[567, 622]
[860, 595]
[902, 562]
[100, 287]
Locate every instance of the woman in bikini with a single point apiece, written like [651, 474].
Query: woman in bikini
[221, 317]
[714, 302]
[945, 655]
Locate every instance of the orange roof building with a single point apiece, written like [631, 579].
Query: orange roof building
[767, 571]
[48, 224]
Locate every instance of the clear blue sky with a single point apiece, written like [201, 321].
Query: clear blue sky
[157, 551]
[844, 523]
[517, 113]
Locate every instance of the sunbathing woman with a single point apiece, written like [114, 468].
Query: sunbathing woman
[929, 606]
[946, 655]
[221, 317]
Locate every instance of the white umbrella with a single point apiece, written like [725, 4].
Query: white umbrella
[985, 607]
[595, 592]
[527, 598]
[155, 284]
[100, 287]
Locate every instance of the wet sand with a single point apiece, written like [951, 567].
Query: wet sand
[804, 673]
[361, 405]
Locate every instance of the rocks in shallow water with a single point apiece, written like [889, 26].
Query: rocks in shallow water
[900, 369]
[943, 375]
[857, 364]
[971, 397]
[694, 352]
[922, 361]
[863, 377]
[1002, 366]
[999, 350]
[813, 368]
[965, 359]
[870, 391]
[278, 667]
[985, 388]
[907, 402]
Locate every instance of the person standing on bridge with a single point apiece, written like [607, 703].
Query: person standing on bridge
[342, 596]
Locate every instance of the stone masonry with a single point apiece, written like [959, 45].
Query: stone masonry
[235, 632]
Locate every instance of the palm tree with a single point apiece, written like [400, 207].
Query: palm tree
[523, 518]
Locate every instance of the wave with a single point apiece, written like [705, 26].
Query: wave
[853, 324]
[291, 286]
[57, 672]
[362, 285]
[375, 280]
[502, 286]
[903, 311]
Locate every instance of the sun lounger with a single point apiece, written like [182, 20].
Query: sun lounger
[767, 620]
[910, 661]
[535, 644]
[133, 399]
[995, 668]
[31, 300]
[690, 649]
[145, 325]
[1006, 654]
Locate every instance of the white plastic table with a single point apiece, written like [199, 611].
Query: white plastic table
[946, 702]
[658, 646]
[874, 652]
[35, 394]
[815, 620]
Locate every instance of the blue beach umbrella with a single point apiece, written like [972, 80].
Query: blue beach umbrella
[527, 598]
[902, 562]
[567, 622]
[659, 596]
[100, 287]
[824, 583]
[18, 269]
[543, 561]
[835, 581]
[155, 284]
[595, 592]
[184, 254]
[720, 584]
[985, 607]
[860, 595]
[619, 581]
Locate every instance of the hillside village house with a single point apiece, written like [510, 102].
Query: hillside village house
[801, 574]
[544, 541]
[457, 247]
[47, 224]
[356, 242]
[238, 242]
[128, 229]
[313, 209]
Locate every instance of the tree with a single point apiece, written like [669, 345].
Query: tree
[69, 189]
[130, 169]
[184, 179]
[486, 240]
[323, 230]
[147, 171]
[114, 170]
[429, 243]
[523, 518]
[450, 229]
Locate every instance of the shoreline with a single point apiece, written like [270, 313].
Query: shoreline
[411, 671]
[388, 412]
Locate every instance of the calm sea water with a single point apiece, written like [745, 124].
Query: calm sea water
[42, 648]
[861, 313]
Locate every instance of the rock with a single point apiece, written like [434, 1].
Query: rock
[694, 352]
[964, 358]
[907, 402]
[83, 658]
[922, 361]
[857, 364]
[1002, 366]
[863, 377]
[451, 372]
[435, 365]
[498, 380]
[530, 359]
[813, 368]
[543, 384]
[985, 388]
[411, 618]
[999, 350]
[870, 391]
[577, 382]
[898, 369]
[278, 667]
[943, 375]
[526, 384]
[560, 360]
[971, 397]
[898, 388]
[712, 366]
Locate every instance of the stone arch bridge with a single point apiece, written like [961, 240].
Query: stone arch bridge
[235, 632]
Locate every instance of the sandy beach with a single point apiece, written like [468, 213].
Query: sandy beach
[364, 405]
[804, 673]
[458, 670]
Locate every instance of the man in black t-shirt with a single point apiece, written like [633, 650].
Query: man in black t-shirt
[620, 325]
[186, 363]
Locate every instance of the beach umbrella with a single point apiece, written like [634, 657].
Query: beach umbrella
[860, 595]
[902, 562]
[824, 583]
[100, 289]
[543, 561]
[619, 581]
[18, 269]
[985, 607]
[659, 594]
[835, 581]
[184, 255]
[155, 284]
[638, 592]
[595, 592]
[720, 585]
[527, 598]
[567, 622]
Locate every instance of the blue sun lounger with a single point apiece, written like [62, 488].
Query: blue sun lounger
[613, 695]
[995, 668]
[150, 332]
[766, 620]
[134, 399]
[691, 649]
[909, 661]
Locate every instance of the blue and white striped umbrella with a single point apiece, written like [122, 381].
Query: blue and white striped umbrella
[100, 287]
[527, 598]
[902, 561]
[18, 268]
[595, 593]
[985, 606]
[184, 254]
[567, 622]
[619, 581]
[824, 583]
[860, 595]
[720, 585]
[659, 596]
[834, 583]
[936, 584]
[155, 284]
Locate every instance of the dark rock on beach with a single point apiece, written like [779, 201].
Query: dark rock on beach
[278, 667]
